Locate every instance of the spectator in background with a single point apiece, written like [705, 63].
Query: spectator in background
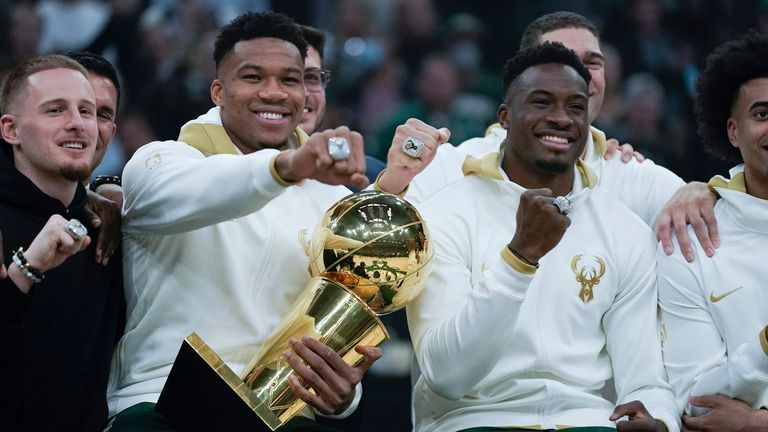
[644, 123]
[438, 87]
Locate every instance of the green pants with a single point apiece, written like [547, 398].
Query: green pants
[577, 429]
[143, 418]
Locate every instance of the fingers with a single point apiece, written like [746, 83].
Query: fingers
[626, 152]
[637, 426]
[445, 135]
[316, 364]
[693, 423]
[708, 401]
[664, 232]
[711, 241]
[639, 157]
[370, 355]
[681, 232]
[635, 410]
[91, 218]
[611, 145]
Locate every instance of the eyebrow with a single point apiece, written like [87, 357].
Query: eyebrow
[595, 54]
[261, 68]
[64, 101]
[759, 104]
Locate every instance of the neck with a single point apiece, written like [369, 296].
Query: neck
[756, 186]
[530, 177]
[254, 147]
[53, 186]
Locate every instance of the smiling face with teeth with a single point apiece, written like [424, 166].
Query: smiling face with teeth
[545, 115]
[52, 128]
[260, 90]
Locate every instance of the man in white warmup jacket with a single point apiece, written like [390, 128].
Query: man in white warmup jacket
[715, 310]
[524, 333]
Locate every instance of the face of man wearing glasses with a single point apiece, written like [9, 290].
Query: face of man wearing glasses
[314, 80]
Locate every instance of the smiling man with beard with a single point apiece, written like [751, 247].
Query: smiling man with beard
[58, 307]
[211, 227]
[533, 287]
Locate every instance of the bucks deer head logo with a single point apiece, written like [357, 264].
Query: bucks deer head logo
[587, 276]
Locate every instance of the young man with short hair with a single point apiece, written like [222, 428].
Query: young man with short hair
[58, 307]
[715, 310]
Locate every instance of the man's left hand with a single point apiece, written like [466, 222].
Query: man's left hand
[626, 149]
[638, 418]
[104, 214]
[332, 379]
[726, 415]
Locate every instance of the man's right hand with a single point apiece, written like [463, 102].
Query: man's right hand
[50, 248]
[312, 160]
[402, 168]
[540, 226]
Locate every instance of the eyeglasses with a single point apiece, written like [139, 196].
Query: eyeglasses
[316, 79]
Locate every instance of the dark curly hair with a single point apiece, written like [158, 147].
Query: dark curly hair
[548, 52]
[728, 67]
[252, 25]
[551, 22]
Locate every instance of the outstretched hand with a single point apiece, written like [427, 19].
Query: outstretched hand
[692, 205]
[401, 167]
[331, 378]
[313, 160]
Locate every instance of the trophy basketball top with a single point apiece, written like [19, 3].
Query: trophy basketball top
[377, 246]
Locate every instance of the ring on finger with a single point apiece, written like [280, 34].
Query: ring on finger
[338, 148]
[413, 147]
[76, 229]
[563, 204]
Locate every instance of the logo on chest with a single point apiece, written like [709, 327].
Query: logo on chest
[588, 277]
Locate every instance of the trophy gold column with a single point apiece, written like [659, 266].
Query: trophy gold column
[369, 255]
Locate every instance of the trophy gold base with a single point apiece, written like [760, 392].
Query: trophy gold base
[203, 394]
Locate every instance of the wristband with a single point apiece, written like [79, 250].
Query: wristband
[34, 274]
[102, 180]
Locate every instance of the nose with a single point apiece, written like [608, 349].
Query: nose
[75, 120]
[272, 90]
[559, 116]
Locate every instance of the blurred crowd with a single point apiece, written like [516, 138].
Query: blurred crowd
[390, 60]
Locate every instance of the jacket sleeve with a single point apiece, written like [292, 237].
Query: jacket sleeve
[171, 188]
[452, 319]
[701, 365]
[645, 188]
[633, 337]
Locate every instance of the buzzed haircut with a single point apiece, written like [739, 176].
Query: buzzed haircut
[548, 52]
[253, 25]
[554, 21]
[98, 65]
[16, 80]
[315, 38]
[717, 88]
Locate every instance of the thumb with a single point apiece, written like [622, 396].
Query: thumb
[370, 355]
[91, 217]
[445, 135]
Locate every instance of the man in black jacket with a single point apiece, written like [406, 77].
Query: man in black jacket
[58, 307]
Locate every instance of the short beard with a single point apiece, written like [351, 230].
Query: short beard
[552, 167]
[75, 173]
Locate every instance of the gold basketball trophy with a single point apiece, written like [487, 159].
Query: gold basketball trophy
[369, 255]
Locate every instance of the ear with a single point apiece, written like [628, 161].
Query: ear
[216, 92]
[501, 115]
[732, 136]
[9, 129]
